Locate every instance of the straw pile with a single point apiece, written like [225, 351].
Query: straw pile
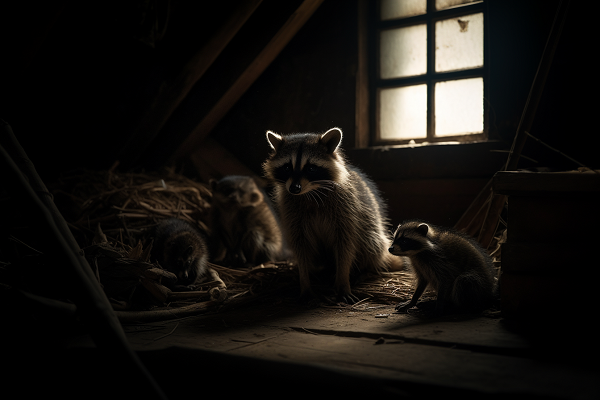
[111, 215]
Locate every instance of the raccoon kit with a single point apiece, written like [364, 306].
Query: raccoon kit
[245, 230]
[450, 262]
[331, 214]
[181, 249]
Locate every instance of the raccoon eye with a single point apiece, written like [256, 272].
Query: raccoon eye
[312, 170]
[283, 173]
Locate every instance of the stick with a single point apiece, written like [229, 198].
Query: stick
[91, 300]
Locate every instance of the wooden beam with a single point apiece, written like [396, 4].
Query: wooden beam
[213, 161]
[540, 183]
[171, 95]
[362, 78]
[247, 78]
[537, 88]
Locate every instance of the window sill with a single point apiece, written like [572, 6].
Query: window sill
[431, 160]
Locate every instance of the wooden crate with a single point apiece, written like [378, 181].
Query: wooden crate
[550, 260]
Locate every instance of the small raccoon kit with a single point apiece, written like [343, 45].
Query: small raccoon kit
[245, 231]
[331, 213]
[450, 262]
[181, 249]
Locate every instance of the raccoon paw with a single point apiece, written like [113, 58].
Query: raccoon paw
[348, 298]
[403, 307]
[182, 288]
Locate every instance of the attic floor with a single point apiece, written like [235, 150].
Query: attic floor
[279, 348]
[373, 350]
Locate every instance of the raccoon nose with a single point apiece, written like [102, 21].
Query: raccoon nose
[391, 249]
[295, 188]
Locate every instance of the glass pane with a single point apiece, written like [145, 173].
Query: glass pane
[459, 107]
[403, 112]
[442, 4]
[459, 43]
[403, 52]
[391, 9]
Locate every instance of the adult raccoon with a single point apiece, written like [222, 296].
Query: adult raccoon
[331, 213]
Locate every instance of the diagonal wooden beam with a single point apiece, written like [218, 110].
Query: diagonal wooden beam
[490, 223]
[171, 95]
[247, 78]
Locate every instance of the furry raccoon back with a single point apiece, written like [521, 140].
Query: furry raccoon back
[330, 211]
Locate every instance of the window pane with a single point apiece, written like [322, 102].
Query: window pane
[391, 9]
[403, 52]
[459, 43]
[442, 4]
[403, 112]
[459, 107]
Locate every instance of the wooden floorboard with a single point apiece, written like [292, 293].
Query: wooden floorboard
[481, 355]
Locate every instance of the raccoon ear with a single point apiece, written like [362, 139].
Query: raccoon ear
[332, 139]
[274, 140]
[423, 229]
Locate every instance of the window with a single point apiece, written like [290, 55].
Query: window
[430, 73]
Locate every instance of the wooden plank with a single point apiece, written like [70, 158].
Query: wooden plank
[528, 183]
[557, 220]
[547, 258]
[388, 163]
[439, 201]
[527, 295]
[474, 353]
[539, 296]
[247, 78]
[171, 95]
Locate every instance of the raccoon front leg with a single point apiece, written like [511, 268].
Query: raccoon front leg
[307, 296]
[421, 286]
[344, 260]
[253, 248]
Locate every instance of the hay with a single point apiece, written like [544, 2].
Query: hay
[111, 215]
[126, 205]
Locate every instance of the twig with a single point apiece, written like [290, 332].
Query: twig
[165, 335]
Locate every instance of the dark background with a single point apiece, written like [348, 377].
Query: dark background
[77, 77]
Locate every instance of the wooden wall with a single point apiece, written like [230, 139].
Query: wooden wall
[77, 79]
